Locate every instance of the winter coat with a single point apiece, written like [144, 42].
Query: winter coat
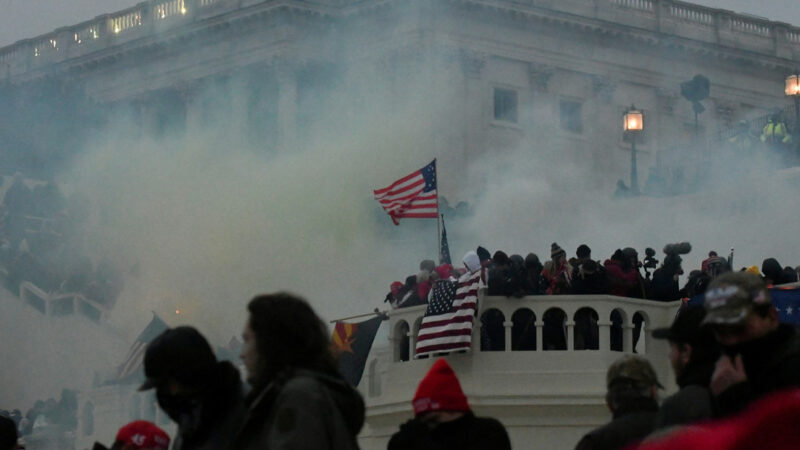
[772, 362]
[665, 285]
[465, 433]
[620, 282]
[626, 428]
[220, 413]
[693, 402]
[302, 409]
[558, 279]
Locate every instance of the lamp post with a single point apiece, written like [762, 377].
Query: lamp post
[792, 89]
[632, 125]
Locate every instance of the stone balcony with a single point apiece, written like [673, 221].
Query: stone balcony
[162, 20]
[551, 392]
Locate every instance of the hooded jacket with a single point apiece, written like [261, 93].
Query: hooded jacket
[693, 403]
[212, 423]
[302, 409]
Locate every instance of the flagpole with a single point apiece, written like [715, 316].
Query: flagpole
[438, 222]
[373, 313]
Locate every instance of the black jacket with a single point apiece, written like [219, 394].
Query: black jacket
[626, 428]
[302, 409]
[466, 433]
[693, 402]
[771, 362]
[221, 411]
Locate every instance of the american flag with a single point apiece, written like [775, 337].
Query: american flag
[135, 356]
[447, 325]
[413, 196]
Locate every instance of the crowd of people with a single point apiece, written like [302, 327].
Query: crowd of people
[51, 412]
[42, 242]
[728, 356]
[735, 365]
[623, 274]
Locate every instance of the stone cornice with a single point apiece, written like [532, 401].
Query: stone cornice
[661, 25]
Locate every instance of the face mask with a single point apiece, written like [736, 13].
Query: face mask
[183, 409]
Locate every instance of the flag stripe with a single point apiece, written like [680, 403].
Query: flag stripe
[413, 196]
[447, 324]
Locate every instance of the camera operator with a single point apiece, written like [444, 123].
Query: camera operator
[650, 262]
[665, 279]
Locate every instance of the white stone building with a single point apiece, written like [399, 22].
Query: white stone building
[493, 74]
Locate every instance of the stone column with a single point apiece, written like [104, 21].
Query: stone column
[412, 344]
[604, 334]
[287, 106]
[539, 335]
[570, 335]
[627, 338]
[508, 326]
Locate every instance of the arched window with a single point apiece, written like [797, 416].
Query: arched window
[493, 336]
[87, 419]
[586, 330]
[618, 320]
[641, 325]
[374, 379]
[523, 332]
[401, 341]
[554, 333]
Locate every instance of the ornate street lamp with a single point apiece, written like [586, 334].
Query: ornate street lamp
[632, 125]
[792, 89]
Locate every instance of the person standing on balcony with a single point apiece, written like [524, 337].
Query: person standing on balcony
[443, 419]
[632, 385]
[693, 353]
[760, 355]
[557, 272]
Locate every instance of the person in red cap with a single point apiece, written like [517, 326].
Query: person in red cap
[443, 419]
[139, 435]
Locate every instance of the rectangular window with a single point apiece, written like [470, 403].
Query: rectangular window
[505, 105]
[571, 116]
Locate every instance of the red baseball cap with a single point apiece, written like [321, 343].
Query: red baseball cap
[145, 435]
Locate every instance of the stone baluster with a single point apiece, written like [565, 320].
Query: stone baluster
[570, 335]
[604, 334]
[627, 338]
[508, 325]
[539, 335]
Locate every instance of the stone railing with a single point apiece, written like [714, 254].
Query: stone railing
[61, 304]
[601, 323]
[664, 16]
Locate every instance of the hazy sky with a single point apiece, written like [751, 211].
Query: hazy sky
[21, 19]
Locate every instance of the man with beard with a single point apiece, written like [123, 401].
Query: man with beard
[760, 355]
[632, 399]
[693, 352]
[203, 396]
[299, 400]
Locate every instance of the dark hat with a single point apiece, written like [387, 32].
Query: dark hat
[632, 369]
[630, 252]
[500, 258]
[686, 327]
[556, 250]
[731, 296]
[583, 251]
[483, 254]
[179, 353]
[532, 260]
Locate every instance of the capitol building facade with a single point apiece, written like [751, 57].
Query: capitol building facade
[550, 78]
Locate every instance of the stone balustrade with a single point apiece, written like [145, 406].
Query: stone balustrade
[709, 25]
[603, 323]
